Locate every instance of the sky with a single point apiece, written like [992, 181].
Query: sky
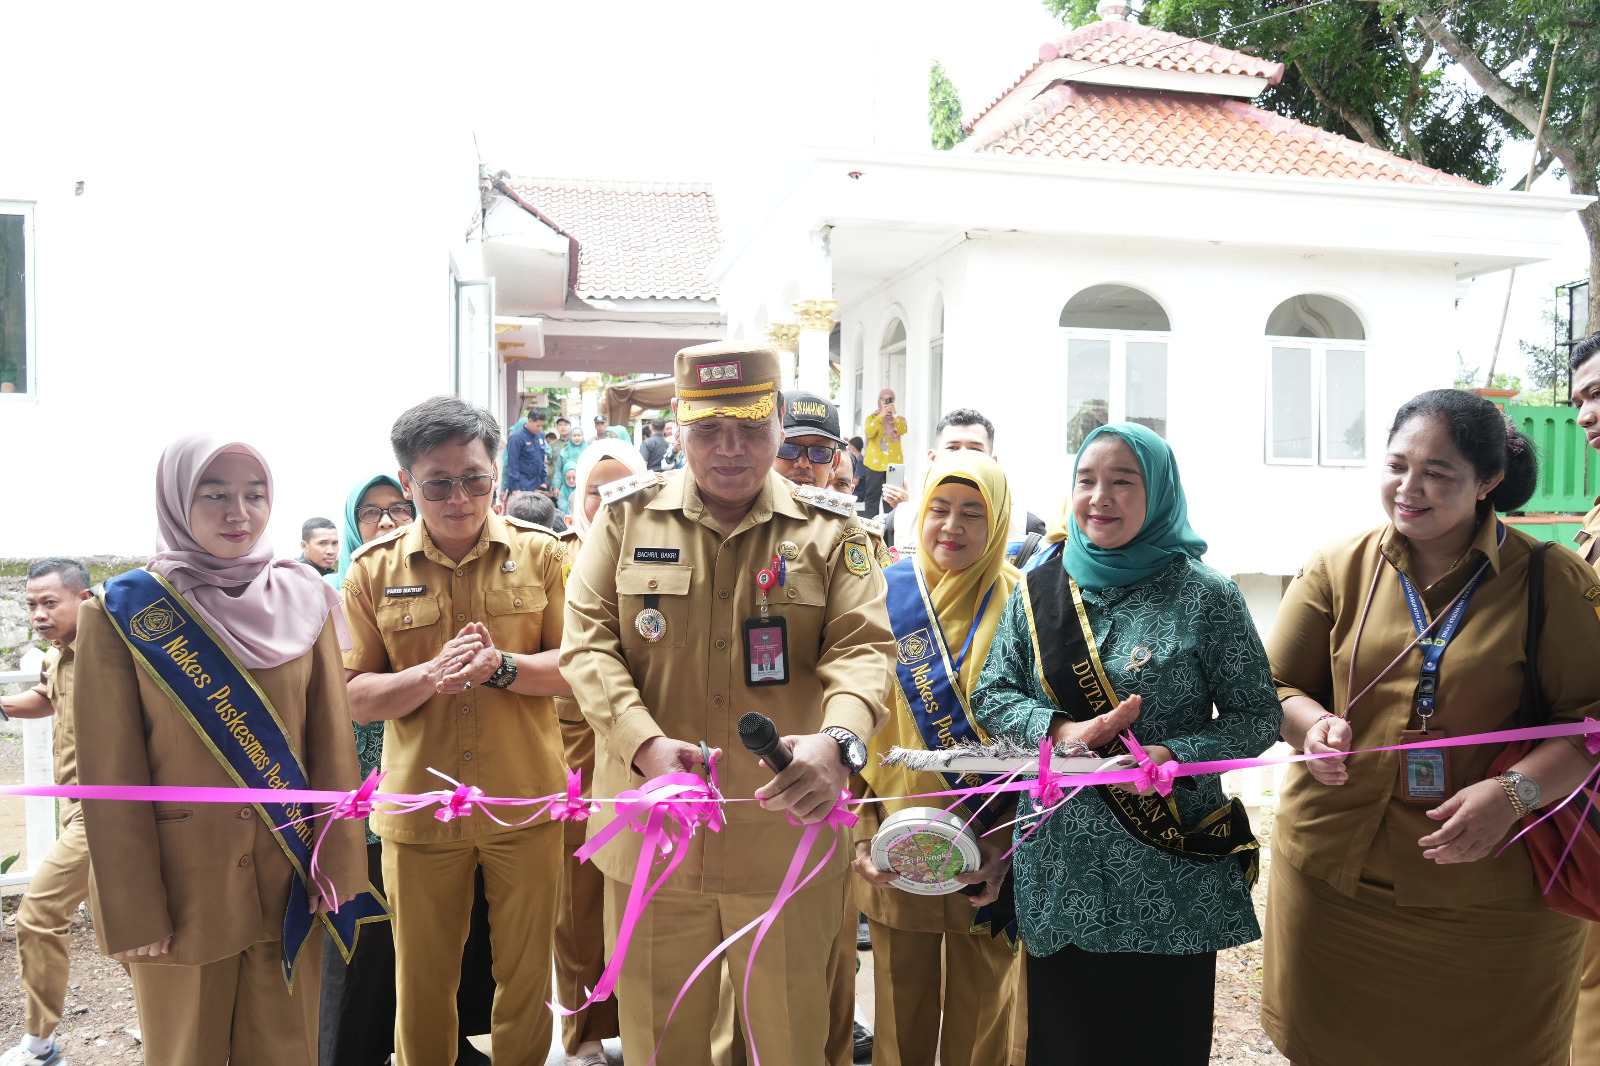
[727, 97]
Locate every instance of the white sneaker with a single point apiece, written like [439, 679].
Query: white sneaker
[21, 1056]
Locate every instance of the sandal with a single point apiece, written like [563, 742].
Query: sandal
[595, 1058]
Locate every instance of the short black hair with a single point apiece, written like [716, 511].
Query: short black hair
[1584, 350]
[311, 525]
[74, 575]
[538, 414]
[535, 507]
[658, 424]
[857, 443]
[549, 434]
[965, 416]
[1484, 437]
[441, 420]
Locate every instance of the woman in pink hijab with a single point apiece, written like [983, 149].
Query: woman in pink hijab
[194, 897]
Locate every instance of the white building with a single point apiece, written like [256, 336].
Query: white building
[1124, 236]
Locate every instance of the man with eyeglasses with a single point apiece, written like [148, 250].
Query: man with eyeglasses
[701, 595]
[455, 624]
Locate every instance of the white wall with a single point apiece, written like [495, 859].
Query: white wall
[1005, 355]
[263, 248]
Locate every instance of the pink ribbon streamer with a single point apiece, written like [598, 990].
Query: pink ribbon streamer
[1151, 775]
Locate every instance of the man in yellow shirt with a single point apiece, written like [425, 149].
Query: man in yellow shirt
[884, 430]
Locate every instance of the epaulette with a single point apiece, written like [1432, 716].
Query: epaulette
[385, 539]
[620, 490]
[826, 500]
[530, 527]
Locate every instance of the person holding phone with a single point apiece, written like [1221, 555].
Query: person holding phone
[884, 430]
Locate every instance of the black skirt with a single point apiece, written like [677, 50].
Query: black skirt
[1088, 1008]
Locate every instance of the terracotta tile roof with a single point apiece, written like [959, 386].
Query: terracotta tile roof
[1115, 43]
[636, 240]
[1167, 129]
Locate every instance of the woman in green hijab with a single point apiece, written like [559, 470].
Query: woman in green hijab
[1124, 900]
[568, 460]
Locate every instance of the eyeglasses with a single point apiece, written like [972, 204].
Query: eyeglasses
[817, 454]
[440, 489]
[401, 512]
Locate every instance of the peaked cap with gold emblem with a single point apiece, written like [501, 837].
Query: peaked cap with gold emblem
[731, 379]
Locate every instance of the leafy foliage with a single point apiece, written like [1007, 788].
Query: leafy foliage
[944, 109]
[1547, 365]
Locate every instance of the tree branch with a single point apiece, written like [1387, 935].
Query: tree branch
[1362, 127]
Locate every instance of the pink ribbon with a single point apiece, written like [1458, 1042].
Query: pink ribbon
[1151, 775]
[1046, 790]
[666, 811]
[1592, 742]
[573, 807]
[356, 803]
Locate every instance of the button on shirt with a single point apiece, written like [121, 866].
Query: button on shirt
[504, 743]
[690, 683]
[1328, 832]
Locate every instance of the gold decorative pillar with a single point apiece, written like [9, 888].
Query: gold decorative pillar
[785, 336]
[816, 323]
[589, 393]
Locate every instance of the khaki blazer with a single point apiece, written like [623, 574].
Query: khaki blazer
[210, 875]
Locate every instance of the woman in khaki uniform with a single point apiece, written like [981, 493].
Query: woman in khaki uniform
[944, 983]
[580, 910]
[193, 896]
[1395, 932]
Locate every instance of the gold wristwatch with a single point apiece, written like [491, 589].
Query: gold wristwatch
[1522, 790]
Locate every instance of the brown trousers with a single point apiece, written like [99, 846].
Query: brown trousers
[233, 1012]
[430, 887]
[580, 937]
[44, 921]
[1586, 1034]
[969, 1023]
[789, 987]
[842, 986]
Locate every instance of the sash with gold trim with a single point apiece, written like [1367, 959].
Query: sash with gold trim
[234, 719]
[926, 671]
[1068, 662]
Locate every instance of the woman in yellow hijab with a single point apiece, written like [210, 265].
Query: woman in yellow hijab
[944, 604]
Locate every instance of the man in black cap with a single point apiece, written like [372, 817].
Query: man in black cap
[810, 439]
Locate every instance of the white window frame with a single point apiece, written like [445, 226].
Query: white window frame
[1117, 392]
[1319, 349]
[30, 356]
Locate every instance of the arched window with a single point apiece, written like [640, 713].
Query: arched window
[936, 364]
[1316, 383]
[892, 357]
[1116, 360]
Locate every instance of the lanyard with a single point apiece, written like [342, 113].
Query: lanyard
[1433, 647]
[982, 607]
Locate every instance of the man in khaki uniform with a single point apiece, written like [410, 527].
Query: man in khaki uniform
[54, 590]
[666, 646]
[1586, 394]
[454, 621]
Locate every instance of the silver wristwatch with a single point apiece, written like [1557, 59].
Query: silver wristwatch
[852, 752]
[1522, 790]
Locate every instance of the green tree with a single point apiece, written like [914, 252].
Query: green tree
[944, 109]
[1547, 365]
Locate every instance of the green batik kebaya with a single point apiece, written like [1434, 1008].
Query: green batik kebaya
[1184, 641]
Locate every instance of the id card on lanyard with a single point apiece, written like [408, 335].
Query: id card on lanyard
[1425, 772]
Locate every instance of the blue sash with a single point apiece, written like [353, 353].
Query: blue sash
[928, 678]
[235, 720]
[1045, 552]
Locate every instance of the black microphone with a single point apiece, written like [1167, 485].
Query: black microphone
[760, 736]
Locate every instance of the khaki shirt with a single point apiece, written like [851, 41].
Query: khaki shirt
[404, 600]
[55, 685]
[1328, 832]
[210, 875]
[1588, 537]
[690, 684]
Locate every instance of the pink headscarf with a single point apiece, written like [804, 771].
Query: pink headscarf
[279, 606]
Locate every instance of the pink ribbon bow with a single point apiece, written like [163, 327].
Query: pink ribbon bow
[358, 803]
[460, 803]
[1159, 777]
[1592, 741]
[573, 807]
[1046, 791]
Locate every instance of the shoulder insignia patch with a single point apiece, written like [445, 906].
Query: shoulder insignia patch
[621, 490]
[826, 500]
[856, 561]
[1592, 593]
[392, 535]
[885, 556]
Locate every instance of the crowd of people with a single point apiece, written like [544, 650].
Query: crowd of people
[728, 565]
